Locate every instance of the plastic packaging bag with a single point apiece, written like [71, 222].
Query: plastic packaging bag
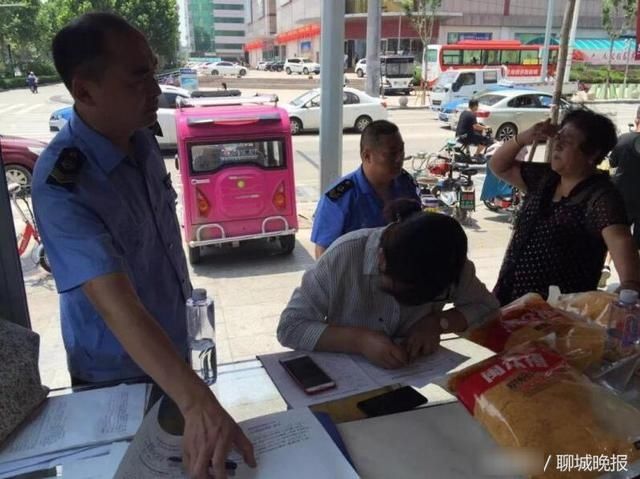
[529, 397]
[531, 318]
[593, 305]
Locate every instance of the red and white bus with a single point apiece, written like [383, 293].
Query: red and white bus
[519, 61]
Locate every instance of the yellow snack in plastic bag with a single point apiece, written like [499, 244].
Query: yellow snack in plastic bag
[531, 318]
[531, 398]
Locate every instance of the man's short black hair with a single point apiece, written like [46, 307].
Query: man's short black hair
[427, 251]
[374, 130]
[598, 130]
[81, 46]
[473, 103]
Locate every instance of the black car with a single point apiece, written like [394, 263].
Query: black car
[275, 66]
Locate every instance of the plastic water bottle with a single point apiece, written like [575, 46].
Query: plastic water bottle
[201, 335]
[624, 324]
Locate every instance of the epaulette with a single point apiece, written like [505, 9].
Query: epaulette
[156, 129]
[409, 176]
[65, 171]
[339, 190]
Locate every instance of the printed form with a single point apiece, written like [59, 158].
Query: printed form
[354, 374]
[284, 444]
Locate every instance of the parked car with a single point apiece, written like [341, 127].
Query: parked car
[510, 111]
[261, 65]
[19, 157]
[226, 68]
[166, 108]
[359, 109]
[361, 68]
[301, 66]
[275, 66]
[59, 117]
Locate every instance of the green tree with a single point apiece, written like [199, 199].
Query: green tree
[157, 19]
[617, 17]
[19, 38]
[422, 14]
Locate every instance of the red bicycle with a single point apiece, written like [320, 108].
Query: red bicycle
[30, 230]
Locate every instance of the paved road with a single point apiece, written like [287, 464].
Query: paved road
[252, 284]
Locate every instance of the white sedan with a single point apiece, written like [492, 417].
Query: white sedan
[166, 115]
[225, 68]
[359, 109]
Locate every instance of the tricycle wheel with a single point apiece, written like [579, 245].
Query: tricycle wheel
[287, 243]
[194, 255]
[43, 261]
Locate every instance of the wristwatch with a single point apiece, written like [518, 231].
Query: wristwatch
[444, 324]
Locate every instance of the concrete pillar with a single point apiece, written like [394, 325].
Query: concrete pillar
[374, 17]
[331, 83]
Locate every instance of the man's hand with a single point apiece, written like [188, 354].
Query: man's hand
[424, 337]
[209, 434]
[381, 351]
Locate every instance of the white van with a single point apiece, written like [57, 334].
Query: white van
[465, 83]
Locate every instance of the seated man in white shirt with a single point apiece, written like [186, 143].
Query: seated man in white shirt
[381, 292]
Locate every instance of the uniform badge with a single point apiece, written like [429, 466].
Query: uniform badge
[65, 171]
[339, 190]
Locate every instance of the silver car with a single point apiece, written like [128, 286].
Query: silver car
[508, 112]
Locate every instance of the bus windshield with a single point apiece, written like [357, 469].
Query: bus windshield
[397, 67]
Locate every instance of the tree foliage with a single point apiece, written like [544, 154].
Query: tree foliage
[617, 17]
[28, 26]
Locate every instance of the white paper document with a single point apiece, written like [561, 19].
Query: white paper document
[291, 444]
[80, 419]
[354, 374]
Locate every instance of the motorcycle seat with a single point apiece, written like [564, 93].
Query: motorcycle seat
[468, 171]
[452, 143]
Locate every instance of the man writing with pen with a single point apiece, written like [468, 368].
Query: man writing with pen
[381, 292]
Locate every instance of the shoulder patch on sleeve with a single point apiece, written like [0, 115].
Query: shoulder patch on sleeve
[339, 190]
[66, 169]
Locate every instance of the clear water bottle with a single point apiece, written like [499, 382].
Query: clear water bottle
[201, 335]
[624, 324]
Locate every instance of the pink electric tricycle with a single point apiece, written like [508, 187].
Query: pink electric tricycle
[236, 164]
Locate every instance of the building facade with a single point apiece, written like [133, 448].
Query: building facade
[216, 28]
[298, 25]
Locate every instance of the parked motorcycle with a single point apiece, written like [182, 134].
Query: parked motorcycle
[462, 149]
[499, 196]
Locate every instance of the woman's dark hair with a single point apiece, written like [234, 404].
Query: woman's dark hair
[401, 209]
[81, 46]
[598, 130]
[427, 251]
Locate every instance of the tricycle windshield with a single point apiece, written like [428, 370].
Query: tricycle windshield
[207, 158]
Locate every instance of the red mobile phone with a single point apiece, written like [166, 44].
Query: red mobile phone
[309, 376]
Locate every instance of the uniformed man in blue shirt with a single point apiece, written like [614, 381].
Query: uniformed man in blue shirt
[357, 200]
[105, 208]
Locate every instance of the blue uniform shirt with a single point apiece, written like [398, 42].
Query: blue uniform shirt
[352, 204]
[101, 212]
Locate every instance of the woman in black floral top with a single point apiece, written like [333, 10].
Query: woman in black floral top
[571, 215]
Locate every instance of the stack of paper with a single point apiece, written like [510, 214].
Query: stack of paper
[75, 428]
[291, 444]
[353, 374]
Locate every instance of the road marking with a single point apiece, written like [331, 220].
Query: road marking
[29, 108]
[11, 107]
[313, 162]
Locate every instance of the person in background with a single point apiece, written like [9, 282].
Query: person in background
[471, 130]
[571, 215]
[625, 158]
[105, 209]
[358, 199]
[381, 292]
[32, 82]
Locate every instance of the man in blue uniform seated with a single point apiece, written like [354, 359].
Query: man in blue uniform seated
[106, 211]
[357, 200]
[468, 125]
